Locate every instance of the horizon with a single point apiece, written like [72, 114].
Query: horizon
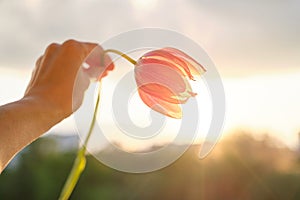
[238, 117]
[254, 47]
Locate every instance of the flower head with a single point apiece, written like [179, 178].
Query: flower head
[163, 78]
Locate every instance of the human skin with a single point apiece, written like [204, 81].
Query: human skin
[49, 96]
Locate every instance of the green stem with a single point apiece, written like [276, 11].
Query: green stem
[121, 54]
[80, 161]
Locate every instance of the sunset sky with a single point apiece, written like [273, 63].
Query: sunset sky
[254, 45]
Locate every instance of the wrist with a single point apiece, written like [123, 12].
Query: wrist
[21, 122]
[41, 111]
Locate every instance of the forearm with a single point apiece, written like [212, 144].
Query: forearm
[21, 122]
[49, 96]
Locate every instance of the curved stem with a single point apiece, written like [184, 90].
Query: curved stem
[121, 54]
[80, 161]
[94, 117]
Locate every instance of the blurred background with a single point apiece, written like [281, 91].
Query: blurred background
[255, 47]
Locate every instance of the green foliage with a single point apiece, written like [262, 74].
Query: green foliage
[238, 168]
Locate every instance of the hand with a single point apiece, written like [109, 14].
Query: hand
[59, 71]
[49, 96]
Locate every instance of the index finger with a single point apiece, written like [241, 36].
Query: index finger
[99, 63]
[73, 53]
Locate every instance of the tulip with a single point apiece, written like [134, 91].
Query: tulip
[163, 78]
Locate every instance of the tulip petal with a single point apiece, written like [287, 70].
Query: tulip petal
[194, 67]
[163, 82]
[164, 93]
[162, 78]
[161, 106]
[161, 74]
[162, 61]
[175, 62]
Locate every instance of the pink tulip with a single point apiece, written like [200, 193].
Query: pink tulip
[163, 78]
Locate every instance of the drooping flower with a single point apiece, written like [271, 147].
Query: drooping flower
[163, 78]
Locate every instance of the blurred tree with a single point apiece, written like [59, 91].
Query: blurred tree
[240, 167]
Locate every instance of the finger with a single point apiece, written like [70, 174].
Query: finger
[52, 48]
[73, 53]
[99, 63]
[37, 63]
[94, 59]
[109, 66]
[95, 62]
[89, 47]
[78, 50]
[49, 54]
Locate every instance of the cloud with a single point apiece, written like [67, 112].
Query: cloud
[27, 30]
[245, 36]
[258, 35]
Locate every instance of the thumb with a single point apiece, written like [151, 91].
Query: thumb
[98, 63]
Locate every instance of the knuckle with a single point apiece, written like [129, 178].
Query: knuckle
[38, 61]
[70, 43]
[52, 46]
[74, 49]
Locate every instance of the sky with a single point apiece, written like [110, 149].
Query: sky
[254, 45]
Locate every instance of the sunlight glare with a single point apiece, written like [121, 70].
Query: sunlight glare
[144, 4]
